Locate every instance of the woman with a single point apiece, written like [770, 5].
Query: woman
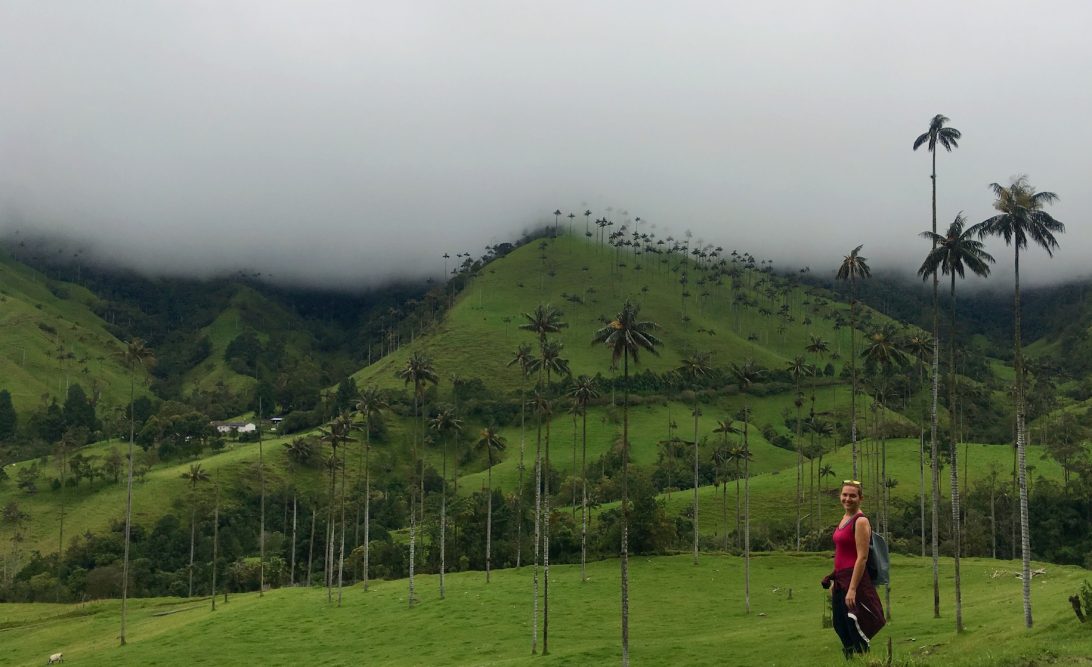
[858, 615]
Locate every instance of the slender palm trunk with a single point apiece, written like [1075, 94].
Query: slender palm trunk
[193, 535]
[625, 516]
[411, 598]
[367, 500]
[292, 568]
[1021, 453]
[341, 550]
[216, 542]
[935, 387]
[538, 527]
[956, 530]
[695, 483]
[128, 507]
[443, 523]
[519, 492]
[584, 497]
[311, 543]
[546, 541]
[746, 515]
[489, 517]
[853, 372]
[799, 466]
[261, 526]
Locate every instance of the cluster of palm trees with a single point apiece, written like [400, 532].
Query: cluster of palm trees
[1020, 217]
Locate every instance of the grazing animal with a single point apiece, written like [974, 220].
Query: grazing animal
[55, 658]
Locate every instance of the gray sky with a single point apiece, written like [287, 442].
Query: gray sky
[347, 142]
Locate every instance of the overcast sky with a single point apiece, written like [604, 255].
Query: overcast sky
[349, 142]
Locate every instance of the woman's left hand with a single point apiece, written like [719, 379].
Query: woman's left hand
[851, 599]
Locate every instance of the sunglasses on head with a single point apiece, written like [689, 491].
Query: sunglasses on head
[851, 481]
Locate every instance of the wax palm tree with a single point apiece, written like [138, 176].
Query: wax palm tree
[723, 456]
[920, 347]
[551, 363]
[954, 253]
[947, 138]
[1021, 217]
[419, 372]
[136, 355]
[853, 268]
[695, 366]
[626, 336]
[543, 321]
[300, 452]
[195, 475]
[337, 435]
[370, 403]
[747, 374]
[525, 361]
[583, 391]
[446, 424]
[492, 443]
[797, 369]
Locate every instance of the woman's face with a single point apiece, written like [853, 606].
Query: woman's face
[851, 498]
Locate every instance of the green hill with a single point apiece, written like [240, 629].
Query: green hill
[50, 338]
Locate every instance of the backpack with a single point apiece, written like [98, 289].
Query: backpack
[879, 559]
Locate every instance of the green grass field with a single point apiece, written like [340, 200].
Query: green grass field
[681, 614]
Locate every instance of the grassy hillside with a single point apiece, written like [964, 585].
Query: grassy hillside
[680, 615]
[736, 320]
[51, 338]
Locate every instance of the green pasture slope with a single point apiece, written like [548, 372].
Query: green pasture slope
[50, 339]
[480, 334]
[680, 614]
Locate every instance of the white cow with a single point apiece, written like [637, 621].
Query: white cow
[55, 658]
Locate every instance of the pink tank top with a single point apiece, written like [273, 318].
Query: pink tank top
[845, 545]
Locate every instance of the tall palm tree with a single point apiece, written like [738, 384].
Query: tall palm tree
[747, 374]
[195, 475]
[954, 253]
[853, 268]
[419, 372]
[492, 443]
[1021, 217]
[543, 321]
[920, 347]
[136, 355]
[583, 391]
[723, 456]
[337, 435]
[797, 369]
[524, 360]
[695, 366]
[299, 452]
[947, 138]
[369, 404]
[446, 424]
[626, 336]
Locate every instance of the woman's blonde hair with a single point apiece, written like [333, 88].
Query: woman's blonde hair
[856, 484]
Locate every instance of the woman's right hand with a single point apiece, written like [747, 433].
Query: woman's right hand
[851, 599]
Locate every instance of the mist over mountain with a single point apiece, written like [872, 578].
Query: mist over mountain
[345, 145]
